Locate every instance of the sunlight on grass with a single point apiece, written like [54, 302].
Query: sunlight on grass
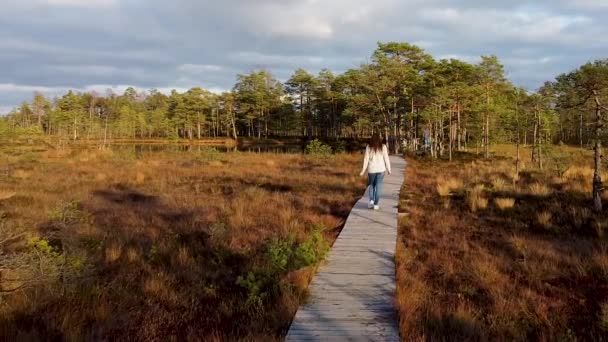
[504, 203]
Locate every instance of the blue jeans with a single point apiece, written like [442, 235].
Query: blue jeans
[375, 186]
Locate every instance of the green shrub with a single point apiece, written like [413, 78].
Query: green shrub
[312, 250]
[339, 146]
[260, 285]
[316, 147]
[282, 256]
[280, 253]
[43, 246]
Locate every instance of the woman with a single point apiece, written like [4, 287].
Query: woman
[376, 162]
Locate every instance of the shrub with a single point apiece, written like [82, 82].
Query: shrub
[282, 256]
[339, 146]
[312, 250]
[259, 286]
[316, 147]
[44, 247]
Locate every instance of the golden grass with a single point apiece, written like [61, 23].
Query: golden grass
[133, 255]
[446, 186]
[4, 195]
[498, 183]
[164, 237]
[113, 253]
[535, 269]
[21, 174]
[476, 199]
[544, 219]
[504, 203]
[140, 178]
[578, 172]
[184, 258]
[539, 189]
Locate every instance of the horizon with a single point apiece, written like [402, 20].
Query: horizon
[190, 44]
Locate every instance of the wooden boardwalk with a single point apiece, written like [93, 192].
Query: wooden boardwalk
[352, 295]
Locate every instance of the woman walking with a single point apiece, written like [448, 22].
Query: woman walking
[376, 162]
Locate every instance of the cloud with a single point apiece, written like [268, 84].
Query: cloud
[64, 3]
[198, 68]
[82, 3]
[98, 44]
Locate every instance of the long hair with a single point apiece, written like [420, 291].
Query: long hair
[375, 143]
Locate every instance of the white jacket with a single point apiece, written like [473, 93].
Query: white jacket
[376, 161]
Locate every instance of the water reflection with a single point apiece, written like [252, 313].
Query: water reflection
[139, 149]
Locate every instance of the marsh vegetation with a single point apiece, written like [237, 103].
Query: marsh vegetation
[486, 253]
[98, 244]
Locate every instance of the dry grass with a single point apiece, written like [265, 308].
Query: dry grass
[4, 195]
[446, 186]
[504, 203]
[539, 189]
[113, 253]
[544, 219]
[534, 270]
[157, 245]
[476, 199]
[579, 172]
[498, 183]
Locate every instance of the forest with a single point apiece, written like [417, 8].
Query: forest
[400, 92]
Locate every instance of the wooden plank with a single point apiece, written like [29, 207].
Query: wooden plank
[351, 298]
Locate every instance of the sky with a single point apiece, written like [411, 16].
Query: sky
[94, 45]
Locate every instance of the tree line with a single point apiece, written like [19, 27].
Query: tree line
[402, 92]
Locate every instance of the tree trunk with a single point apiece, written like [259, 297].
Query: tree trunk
[75, 131]
[90, 126]
[534, 140]
[451, 133]
[540, 140]
[580, 128]
[105, 132]
[198, 133]
[386, 137]
[458, 128]
[266, 124]
[597, 172]
[518, 160]
[487, 124]
[233, 121]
